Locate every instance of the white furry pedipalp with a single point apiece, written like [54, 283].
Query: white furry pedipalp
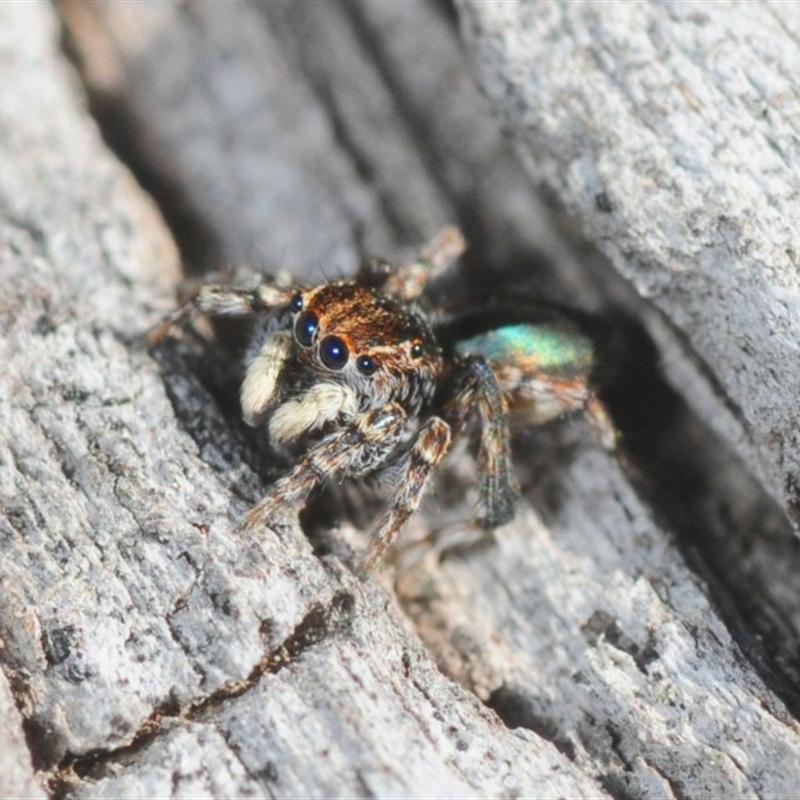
[258, 387]
[318, 405]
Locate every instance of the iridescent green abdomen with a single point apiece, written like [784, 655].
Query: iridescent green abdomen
[555, 349]
[544, 370]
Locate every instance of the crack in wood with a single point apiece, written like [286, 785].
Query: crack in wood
[319, 623]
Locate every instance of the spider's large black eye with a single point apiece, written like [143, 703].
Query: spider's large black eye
[366, 365]
[333, 352]
[304, 327]
[416, 350]
[296, 303]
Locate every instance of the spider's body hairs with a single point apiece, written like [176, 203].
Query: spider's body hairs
[356, 380]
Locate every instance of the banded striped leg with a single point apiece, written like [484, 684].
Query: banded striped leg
[602, 426]
[351, 451]
[429, 448]
[475, 386]
[407, 281]
[215, 301]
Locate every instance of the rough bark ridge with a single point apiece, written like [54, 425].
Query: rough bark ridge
[147, 648]
[672, 140]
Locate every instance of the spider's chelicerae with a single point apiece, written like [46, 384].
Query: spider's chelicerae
[359, 378]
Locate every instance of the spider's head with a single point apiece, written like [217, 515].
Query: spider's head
[350, 348]
[356, 332]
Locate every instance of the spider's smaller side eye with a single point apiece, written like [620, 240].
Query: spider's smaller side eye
[304, 327]
[296, 303]
[366, 365]
[333, 352]
[416, 350]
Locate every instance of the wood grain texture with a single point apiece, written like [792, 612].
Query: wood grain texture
[670, 133]
[149, 648]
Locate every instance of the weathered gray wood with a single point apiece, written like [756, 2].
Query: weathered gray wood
[153, 651]
[668, 131]
[131, 610]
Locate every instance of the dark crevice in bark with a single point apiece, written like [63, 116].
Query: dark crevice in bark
[730, 532]
[517, 709]
[127, 135]
[318, 80]
[435, 154]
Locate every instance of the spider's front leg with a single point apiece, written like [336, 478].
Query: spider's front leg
[407, 281]
[429, 448]
[218, 300]
[475, 386]
[357, 448]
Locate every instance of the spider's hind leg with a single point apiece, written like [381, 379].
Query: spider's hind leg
[475, 387]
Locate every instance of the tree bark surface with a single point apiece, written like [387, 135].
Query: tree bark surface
[669, 133]
[149, 648]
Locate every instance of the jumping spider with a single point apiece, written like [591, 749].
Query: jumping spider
[355, 379]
